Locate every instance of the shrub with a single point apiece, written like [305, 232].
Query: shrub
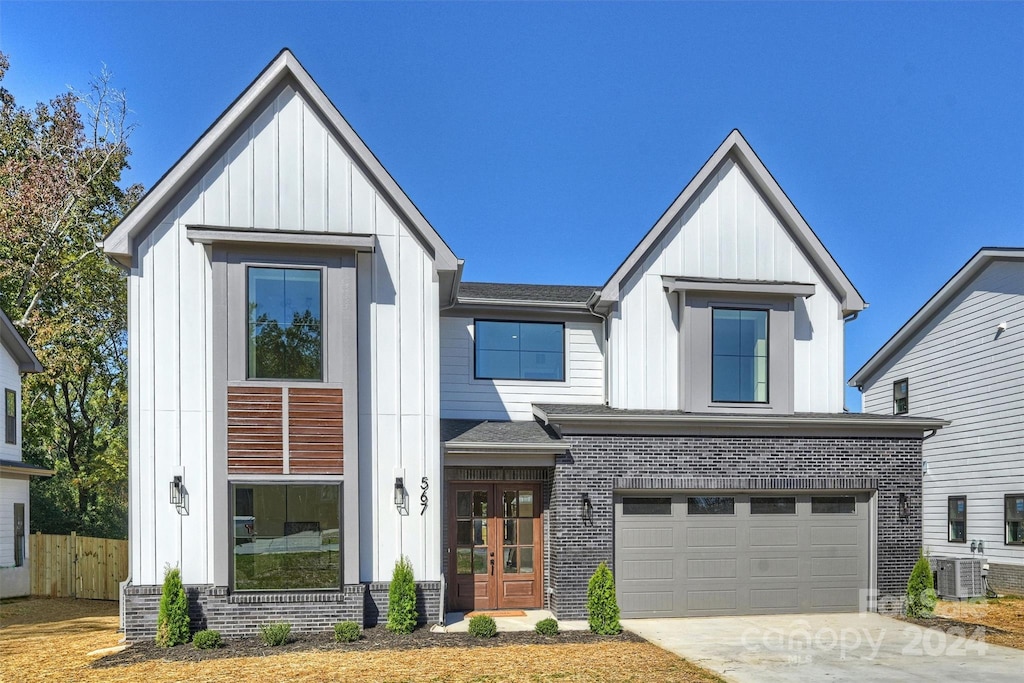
[347, 632]
[402, 598]
[482, 626]
[602, 609]
[172, 622]
[920, 590]
[207, 640]
[275, 634]
[546, 627]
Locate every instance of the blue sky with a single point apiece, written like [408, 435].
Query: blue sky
[543, 140]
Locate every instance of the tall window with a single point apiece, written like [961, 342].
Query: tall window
[287, 536]
[19, 534]
[285, 331]
[957, 519]
[739, 355]
[1014, 519]
[10, 416]
[900, 397]
[519, 350]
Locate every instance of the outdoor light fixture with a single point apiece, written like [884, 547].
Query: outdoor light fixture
[588, 510]
[904, 506]
[176, 491]
[399, 492]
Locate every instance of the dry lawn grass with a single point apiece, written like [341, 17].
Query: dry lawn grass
[48, 640]
[1005, 614]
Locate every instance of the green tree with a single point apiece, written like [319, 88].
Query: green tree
[172, 621]
[60, 193]
[602, 607]
[402, 598]
[921, 597]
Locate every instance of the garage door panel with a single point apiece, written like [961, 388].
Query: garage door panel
[703, 564]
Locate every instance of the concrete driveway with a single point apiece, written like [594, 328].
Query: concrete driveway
[829, 647]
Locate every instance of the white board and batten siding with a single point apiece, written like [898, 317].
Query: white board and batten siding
[727, 231]
[10, 378]
[464, 397]
[960, 369]
[285, 171]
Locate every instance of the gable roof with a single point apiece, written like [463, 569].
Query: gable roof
[118, 244]
[15, 344]
[736, 147]
[933, 306]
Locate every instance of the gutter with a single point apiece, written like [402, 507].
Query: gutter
[453, 297]
[471, 448]
[592, 302]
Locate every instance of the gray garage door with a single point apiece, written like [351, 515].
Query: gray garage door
[710, 553]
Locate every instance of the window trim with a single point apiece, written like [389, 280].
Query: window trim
[950, 520]
[285, 480]
[322, 269]
[905, 398]
[10, 420]
[565, 352]
[1006, 519]
[767, 353]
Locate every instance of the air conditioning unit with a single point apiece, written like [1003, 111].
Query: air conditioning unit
[959, 577]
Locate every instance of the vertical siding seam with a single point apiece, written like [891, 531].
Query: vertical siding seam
[301, 194]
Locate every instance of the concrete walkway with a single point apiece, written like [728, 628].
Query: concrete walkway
[456, 622]
[829, 647]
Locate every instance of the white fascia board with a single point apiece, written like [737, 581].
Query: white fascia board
[683, 284]
[517, 303]
[737, 146]
[324, 240]
[469, 448]
[118, 244]
[866, 374]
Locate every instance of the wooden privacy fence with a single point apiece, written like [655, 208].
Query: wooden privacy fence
[77, 566]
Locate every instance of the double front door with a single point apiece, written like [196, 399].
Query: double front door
[494, 546]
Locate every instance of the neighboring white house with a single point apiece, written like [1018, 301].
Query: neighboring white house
[314, 393]
[961, 358]
[16, 359]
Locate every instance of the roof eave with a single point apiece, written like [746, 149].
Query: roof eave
[11, 339]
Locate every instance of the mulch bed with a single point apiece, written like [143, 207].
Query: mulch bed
[377, 638]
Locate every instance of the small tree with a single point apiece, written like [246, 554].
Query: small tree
[920, 590]
[602, 608]
[172, 623]
[402, 598]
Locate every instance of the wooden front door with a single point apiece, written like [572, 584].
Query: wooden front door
[495, 551]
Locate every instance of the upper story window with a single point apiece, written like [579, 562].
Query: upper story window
[739, 355]
[900, 397]
[285, 331]
[520, 350]
[10, 416]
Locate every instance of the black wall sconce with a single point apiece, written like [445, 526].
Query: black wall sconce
[179, 494]
[904, 506]
[588, 511]
[399, 492]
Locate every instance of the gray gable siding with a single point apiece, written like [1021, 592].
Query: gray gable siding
[961, 369]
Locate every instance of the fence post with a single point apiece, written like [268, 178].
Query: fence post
[74, 564]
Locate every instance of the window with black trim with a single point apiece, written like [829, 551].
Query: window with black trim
[833, 505]
[285, 331]
[10, 416]
[739, 355]
[772, 505]
[1013, 517]
[287, 536]
[647, 506]
[957, 518]
[901, 397]
[19, 534]
[519, 350]
[710, 505]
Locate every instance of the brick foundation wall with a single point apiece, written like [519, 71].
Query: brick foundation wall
[1006, 578]
[428, 602]
[594, 463]
[241, 614]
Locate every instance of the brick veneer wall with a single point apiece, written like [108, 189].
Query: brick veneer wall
[1006, 578]
[594, 463]
[428, 602]
[241, 614]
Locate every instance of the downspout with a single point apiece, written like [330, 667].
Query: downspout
[592, 307]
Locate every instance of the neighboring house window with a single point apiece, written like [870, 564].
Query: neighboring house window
[285, 331]
[739, 355]
[287, 536]
[19, 534]
[519, 350]
[1014, 518]
[900, 397]
[957, 519]
[10, 416]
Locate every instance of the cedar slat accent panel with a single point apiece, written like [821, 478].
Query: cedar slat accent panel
[255, 430]
[315, 431]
